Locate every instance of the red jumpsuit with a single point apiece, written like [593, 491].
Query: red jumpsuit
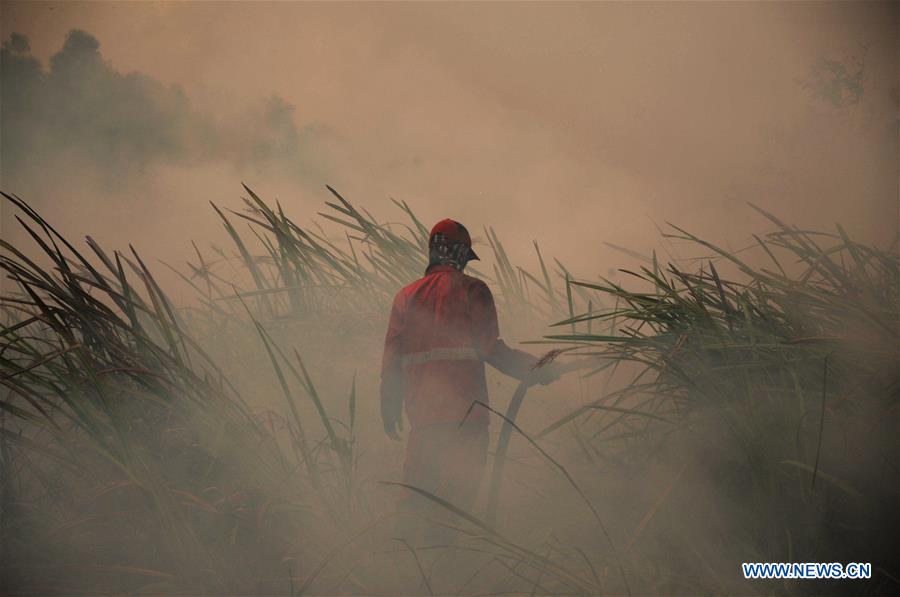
[442, 330]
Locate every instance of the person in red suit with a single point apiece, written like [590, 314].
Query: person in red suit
[442, 330]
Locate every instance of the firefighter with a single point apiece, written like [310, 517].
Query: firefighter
[442, 330]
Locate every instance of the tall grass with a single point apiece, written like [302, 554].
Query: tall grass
[783, 381]
[134, 461]
[115, 406]
[123, 437]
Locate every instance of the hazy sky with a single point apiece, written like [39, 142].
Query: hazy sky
[570, 123]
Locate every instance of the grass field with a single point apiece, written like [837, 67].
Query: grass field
[742, 406]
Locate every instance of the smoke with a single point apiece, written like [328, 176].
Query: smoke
[123, 156]
[486, 114]
[121, 127]
[632, 117]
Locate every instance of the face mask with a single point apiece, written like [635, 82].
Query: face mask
[444, 253]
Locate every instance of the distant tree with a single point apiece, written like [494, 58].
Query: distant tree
[836, 82]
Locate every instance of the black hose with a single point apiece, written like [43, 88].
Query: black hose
[502, 446]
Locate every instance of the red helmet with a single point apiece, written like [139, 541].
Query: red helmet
[453, 232]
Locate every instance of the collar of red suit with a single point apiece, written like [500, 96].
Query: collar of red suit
[433, 269]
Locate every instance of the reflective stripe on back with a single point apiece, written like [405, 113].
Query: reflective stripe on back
[459, 353]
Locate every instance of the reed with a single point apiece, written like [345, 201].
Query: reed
[133, 460]
[770, 375]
